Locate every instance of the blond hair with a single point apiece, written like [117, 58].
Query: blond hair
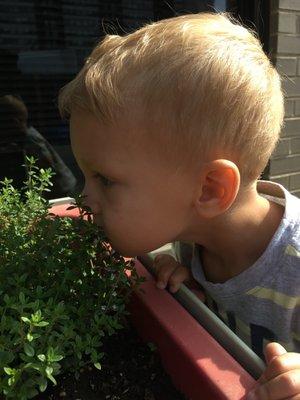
[202, 81]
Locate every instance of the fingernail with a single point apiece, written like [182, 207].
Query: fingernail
[173, 289]
[160, 285]
[252, 396]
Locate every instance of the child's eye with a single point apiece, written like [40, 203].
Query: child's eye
[104, 181]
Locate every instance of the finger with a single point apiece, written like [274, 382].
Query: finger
[164, 256]
[164, 268]
[178, 276]
[273, 350]
[162, 259]
[158, 257]
[281, 364]
[282, 387]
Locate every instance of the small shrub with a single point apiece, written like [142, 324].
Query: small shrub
[62, 289]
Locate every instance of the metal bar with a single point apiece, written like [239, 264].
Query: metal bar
[215, 326]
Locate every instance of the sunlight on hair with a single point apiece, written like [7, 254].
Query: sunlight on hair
[200, 82]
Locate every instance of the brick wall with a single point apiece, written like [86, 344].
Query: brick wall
[285, 52]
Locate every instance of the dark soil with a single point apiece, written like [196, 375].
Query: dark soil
[131, 371]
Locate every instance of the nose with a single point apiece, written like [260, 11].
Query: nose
[90, 199]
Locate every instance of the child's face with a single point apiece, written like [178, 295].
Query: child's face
[140, 202]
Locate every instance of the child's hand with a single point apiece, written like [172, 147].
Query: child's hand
[281, 379]
[170, 272]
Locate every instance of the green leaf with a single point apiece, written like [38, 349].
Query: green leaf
[56, 357]
[71, 207]
[9, 371]
[98, 365]
[6, 299]
[31, 392]
[23, 278]
[11, 381]
[29, 337]
[22, 297]
[42, 357]
[49, 370]
[26, 320]
[52, 357]
[29, 350]
[6, 357]
[36, 317]
[42, 323]
[42, 382]
[36, 336]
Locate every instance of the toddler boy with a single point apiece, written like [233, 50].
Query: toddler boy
[172, 125]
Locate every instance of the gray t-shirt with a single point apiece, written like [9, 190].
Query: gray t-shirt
[262, 303]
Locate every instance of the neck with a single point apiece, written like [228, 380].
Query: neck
[235, 240]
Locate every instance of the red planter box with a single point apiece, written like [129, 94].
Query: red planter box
[198, 365]
[196, 362]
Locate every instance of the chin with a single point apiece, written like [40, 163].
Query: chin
[128, 252]
[132, 248]
[131, 253]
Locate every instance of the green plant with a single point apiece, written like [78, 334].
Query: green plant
[62, 289]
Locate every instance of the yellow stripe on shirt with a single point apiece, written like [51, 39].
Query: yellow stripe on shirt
[292, 251]
[280, 299]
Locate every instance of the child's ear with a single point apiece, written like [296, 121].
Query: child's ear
[220, 182]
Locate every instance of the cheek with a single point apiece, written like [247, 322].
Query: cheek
[139, 221]
[137, 229]
[116, 217]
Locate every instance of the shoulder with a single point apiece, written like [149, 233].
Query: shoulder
[34, 137]
[286, 242]
[277, 193]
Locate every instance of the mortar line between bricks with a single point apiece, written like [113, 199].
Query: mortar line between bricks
[286, 10]
[281, 176]
[285, 175]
